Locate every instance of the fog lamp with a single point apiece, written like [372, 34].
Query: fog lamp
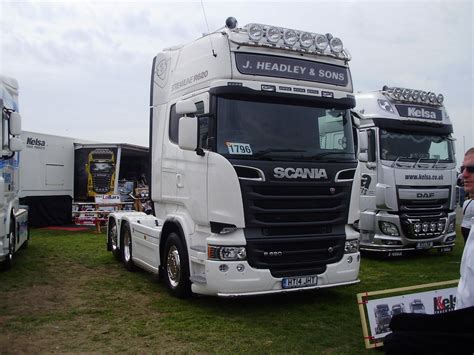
[440, 99]
[425, 227]
[417, 227]
[433, 226]
[441, 226]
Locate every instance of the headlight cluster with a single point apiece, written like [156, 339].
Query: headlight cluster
[413, 96]
[388, 228]
[227, 253]
[287, 38]
[351, 246]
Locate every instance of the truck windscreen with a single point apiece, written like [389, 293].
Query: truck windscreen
[404, 146]
[276, 130]
[101, 167]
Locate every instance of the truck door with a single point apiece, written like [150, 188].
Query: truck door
[191, 176]
[369, 174]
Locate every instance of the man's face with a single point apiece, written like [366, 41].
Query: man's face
[468, 177]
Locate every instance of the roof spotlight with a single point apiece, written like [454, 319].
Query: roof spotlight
[397, 93]
[415, 95]
[306, 40]
[432, 97]
[440, 98]
[273, 34]
[406, 94]
[321, 42]
[423, 96]
[255, 32]
[290, 37]
[336, 45]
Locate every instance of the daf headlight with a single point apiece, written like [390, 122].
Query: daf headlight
[273, 34]
[321, 42]
[290, 37]
[440, 99]
[351, 246]
[451, 226]
[226, 253]
[306, 40]
[255, 32]
[336, 45]
[388, 228]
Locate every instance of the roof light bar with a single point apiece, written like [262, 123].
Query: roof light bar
[256, 34]
[413, 96]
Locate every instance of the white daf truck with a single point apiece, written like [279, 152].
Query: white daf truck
[408, 172]
[13, 219]
[253, 166]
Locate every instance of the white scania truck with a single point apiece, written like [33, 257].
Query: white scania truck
[408, 172]
[253, 166]
[13, 220]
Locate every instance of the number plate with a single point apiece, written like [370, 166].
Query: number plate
[424, 245]
[302, 281]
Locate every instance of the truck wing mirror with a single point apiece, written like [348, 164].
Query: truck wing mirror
[15, 144]
[184, 107]
[356, 117]
[15, 123]
[188, 133]
[363, 146]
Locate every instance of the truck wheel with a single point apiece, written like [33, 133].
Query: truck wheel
[126, 244]
[112, 239]
[176, 267]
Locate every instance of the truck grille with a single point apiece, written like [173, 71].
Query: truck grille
[295, 228]
[423, 211]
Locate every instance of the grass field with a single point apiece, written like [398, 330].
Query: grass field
[66, 293]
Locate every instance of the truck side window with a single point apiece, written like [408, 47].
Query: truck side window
[174, 120]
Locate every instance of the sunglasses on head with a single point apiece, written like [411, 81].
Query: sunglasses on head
[470, 169]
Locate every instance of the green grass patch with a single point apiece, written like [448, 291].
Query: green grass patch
[66, 293]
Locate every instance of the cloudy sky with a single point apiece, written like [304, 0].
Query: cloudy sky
[84, 66]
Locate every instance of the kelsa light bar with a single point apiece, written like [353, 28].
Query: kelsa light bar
[413, 96]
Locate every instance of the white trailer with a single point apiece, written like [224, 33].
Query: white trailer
[13, 219]
[253, 166]
[408, 181]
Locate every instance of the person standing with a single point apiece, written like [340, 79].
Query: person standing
[446, 333]
[467, 172]
[467, 214]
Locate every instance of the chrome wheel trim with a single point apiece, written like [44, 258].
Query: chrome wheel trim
[173, 266]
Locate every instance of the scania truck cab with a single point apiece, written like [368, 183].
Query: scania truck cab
[253, 166]
[408, 172]
[13, 219]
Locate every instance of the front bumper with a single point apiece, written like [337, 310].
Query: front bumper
[247, 281]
